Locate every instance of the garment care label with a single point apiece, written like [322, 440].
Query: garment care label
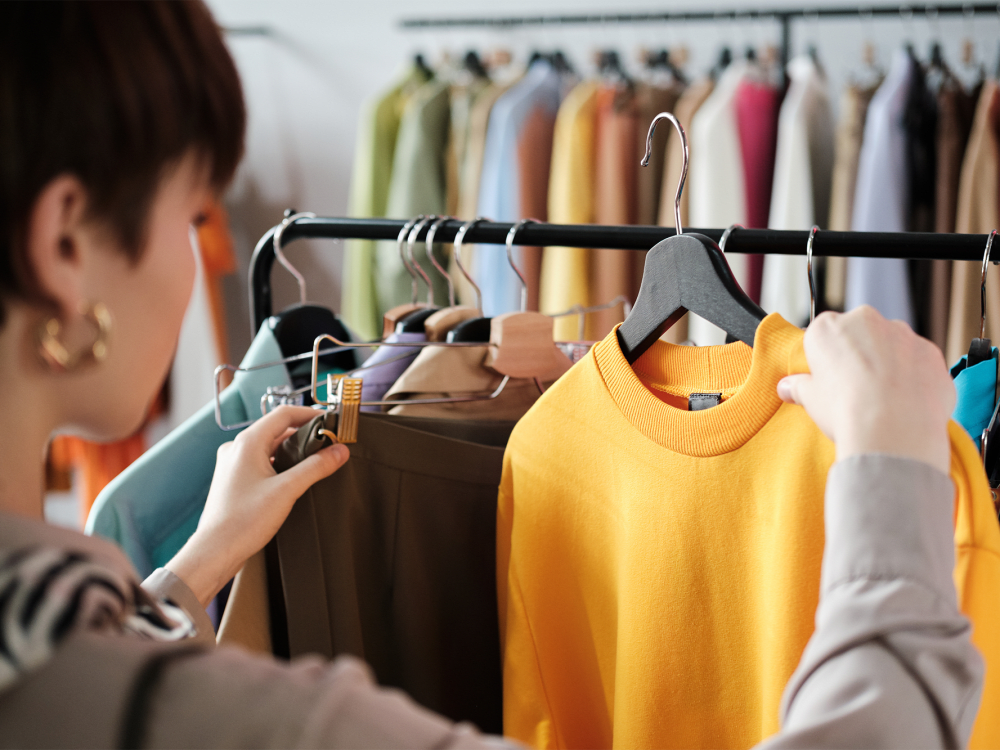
[701, 401]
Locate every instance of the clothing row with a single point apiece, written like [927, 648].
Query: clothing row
[503, 567]
[914, 150]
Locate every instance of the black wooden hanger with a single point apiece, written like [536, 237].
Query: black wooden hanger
[685, 273]
[296, 327]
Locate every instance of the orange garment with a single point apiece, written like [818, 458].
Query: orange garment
[658, 569]
[218, 257]
[612, 272]
[534, 154]
[98, 463]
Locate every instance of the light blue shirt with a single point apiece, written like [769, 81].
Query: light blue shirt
[881, 198]
[499, 185]
[152, 508]
[975, 389]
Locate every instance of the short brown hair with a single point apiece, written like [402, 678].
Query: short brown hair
[112, 93]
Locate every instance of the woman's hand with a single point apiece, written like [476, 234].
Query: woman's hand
[875, 387]
[249, 500]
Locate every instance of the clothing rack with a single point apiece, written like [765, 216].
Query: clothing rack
[782, 16]
[911, 245]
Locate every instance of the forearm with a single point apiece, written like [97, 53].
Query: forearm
[890, 663]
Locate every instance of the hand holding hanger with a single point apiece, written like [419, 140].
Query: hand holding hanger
[248, 501]
[875, 386]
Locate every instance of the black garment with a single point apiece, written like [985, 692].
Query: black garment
[920, 122]
[393, 559]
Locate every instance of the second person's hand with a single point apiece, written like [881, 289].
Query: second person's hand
[875, 386]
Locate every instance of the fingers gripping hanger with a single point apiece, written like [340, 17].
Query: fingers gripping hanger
[686, 272]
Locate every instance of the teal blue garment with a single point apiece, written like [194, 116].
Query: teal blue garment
[976, 390]
[152, 508]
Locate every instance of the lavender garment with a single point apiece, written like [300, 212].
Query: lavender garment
[381, 373]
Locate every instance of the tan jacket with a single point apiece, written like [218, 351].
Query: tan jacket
[978, 212]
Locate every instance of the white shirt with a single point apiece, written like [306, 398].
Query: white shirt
[716, 181]
[800, 197]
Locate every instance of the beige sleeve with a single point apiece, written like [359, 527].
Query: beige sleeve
[246, 622]
[164, 584]
[99, 690]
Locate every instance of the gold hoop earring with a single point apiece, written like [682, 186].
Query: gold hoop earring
[59, 358]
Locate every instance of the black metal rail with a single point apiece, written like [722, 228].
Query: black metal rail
[916, 245]
[782, 16]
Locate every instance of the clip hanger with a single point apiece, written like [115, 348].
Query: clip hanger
[332, 386]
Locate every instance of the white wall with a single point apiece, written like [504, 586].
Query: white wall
[305, 87]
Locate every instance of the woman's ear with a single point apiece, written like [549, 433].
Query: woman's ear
[56, 241]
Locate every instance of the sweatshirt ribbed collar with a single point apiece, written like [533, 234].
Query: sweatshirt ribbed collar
[746, 377]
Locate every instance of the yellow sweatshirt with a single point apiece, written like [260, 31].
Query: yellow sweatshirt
[658, 569]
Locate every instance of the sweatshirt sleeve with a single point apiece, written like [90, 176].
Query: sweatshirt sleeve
[164, 584]
[890, 663]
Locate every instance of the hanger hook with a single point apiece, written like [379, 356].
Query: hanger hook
[982, 285]
[809, 270]
[459, 239]
[684, 164]
[434, 261]
[401, 242]
[725, 236]
[278, 236]
[410, 242]
[510, 259]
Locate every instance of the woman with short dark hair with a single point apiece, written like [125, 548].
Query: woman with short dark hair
[118, 120]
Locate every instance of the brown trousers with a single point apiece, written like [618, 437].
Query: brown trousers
[392, 559]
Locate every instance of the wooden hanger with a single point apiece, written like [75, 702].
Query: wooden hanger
[522, 344]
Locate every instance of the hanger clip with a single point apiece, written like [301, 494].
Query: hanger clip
[347, 403]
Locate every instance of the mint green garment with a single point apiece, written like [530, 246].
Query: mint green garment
[418, 186]
[153, 507]
[374, 153]
[975, 388]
